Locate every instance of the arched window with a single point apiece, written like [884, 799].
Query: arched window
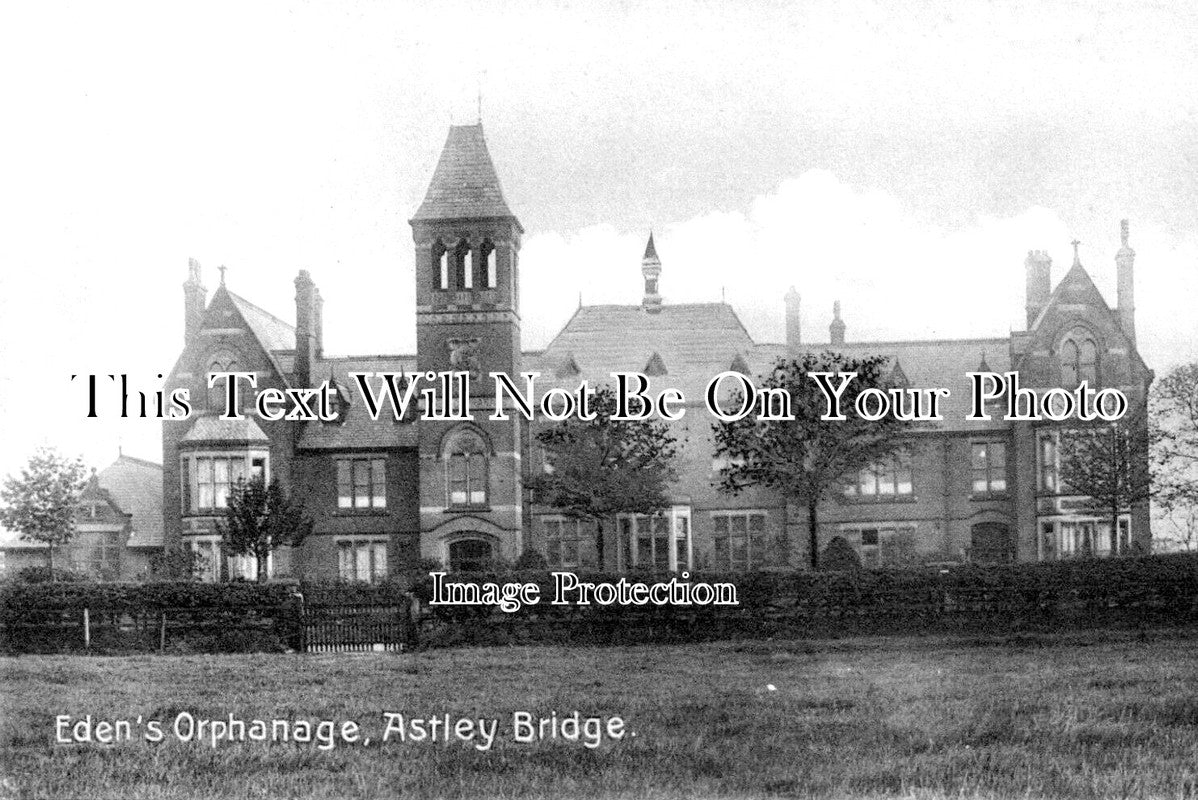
[462, 266]
[468, 269]
[466, 470]
[440, 265]
[220, 361]
[1079, 359]
[470, 555]
[487, 255]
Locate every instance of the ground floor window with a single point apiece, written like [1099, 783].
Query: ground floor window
[882, 544]
[96, 554]
[1081, 537]
[362, 559]
[246, 567]
[739, 540]
[470, 555]
[211, 554]
[660, 542]
[208, 550]
[563, 542]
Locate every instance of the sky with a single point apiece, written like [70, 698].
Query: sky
[900, 157]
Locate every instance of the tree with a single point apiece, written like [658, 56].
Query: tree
[1174, 440]
[40, 503]
[1109, 465]
[805, 457]
[261, 518]
[177, 563]
[601, 467]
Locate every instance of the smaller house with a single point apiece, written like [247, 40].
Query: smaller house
[118, 526]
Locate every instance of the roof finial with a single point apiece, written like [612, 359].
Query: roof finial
[480, 98]
[580, 298]
[1123, 231]
[222, 269]
[835, 309]
[1077, 259]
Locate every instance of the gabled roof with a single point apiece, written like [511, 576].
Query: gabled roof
[135, 485]
[1075, 287]
[464, 184]
[272, 332]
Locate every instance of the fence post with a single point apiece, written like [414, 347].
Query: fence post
[299, 631]
[87, 630]
[413, 636]
[162, 633]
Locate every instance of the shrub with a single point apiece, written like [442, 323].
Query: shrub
[839, 556]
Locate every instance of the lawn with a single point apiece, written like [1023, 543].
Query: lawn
[1087, 715]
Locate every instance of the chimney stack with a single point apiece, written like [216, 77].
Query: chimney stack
[836, 329]
[307, 317]
[1125, 262]
[793, 332]
[195, 297]
[1038, 267]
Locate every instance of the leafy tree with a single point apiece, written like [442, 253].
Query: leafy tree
[261, 518]
[1109, 465]
[1173, 404]
[39, 504]
[806, 457]
[598, 468]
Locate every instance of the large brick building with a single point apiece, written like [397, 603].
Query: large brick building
[385, 494]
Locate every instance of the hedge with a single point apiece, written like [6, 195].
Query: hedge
[40, 617]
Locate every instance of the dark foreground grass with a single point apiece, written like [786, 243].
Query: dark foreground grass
[1094, 715]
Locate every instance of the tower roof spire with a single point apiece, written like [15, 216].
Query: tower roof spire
[465, 184]
[650, 250]
[651, 272]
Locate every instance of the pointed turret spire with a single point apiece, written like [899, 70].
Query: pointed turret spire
[651, 271]
[465, 184]
[650, 249]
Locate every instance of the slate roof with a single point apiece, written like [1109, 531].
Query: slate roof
[213, 428]
[273, 333]
[940, 364]
[359, 430]
[697, 341]
[464, 184]
[693, 341]
[136, 486]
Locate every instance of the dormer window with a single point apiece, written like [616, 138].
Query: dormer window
[1079, 359]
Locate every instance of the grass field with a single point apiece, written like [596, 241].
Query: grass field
[1093, 715]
